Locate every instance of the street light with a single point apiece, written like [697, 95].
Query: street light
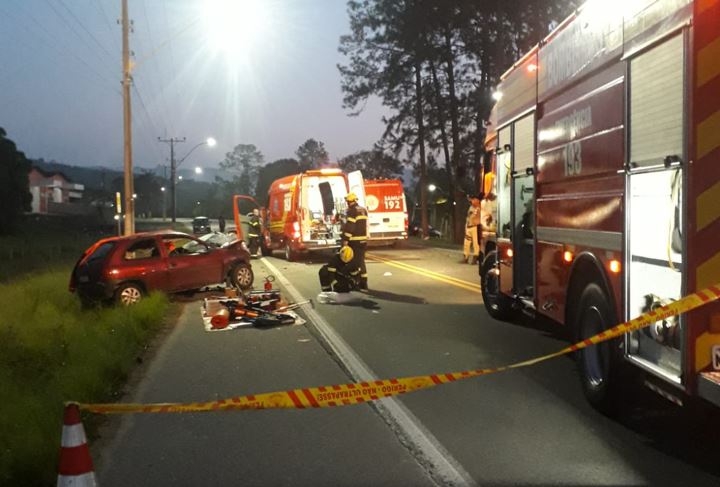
[210, 142]
[162, 188]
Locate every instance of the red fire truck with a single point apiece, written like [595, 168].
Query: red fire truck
[606, 144]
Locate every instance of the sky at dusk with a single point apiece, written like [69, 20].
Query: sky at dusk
[259, 72]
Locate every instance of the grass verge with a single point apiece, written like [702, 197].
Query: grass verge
[52, 351]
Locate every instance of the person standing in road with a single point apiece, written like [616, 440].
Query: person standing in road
[488, 213]
[254, 232]
[354, 234]
[473, 230]
[221, 223]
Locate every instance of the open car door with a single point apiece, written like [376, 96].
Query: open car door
[236, 213]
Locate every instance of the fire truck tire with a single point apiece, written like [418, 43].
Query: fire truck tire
[497, 304]
[290, 254]
[265, 250]
[598, 364]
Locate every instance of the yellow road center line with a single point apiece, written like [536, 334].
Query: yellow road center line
[427, 273]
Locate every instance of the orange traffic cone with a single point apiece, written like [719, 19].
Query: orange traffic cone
[76, 468]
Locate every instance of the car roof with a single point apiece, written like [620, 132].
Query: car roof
[167, 232]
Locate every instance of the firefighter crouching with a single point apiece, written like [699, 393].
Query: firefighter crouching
[354, 234]
[340, 275]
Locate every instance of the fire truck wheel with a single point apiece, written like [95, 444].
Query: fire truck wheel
[265, 250]
[497, 304]
[290, 254]
[241, 275]
[598, 364]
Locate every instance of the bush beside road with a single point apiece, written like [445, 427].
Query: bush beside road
[52, 351]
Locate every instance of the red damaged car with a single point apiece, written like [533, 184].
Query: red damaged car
[126, 268]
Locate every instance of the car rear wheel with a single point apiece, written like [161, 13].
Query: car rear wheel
[242, 276]
[129, 293]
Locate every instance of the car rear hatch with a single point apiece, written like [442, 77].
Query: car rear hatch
[87, 276]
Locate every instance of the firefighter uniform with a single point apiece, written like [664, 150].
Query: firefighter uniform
[254, 232]
[340, 274]
[473, 230]
[354, 232]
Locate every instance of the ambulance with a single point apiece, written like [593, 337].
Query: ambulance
[304, 211]
[387, 211]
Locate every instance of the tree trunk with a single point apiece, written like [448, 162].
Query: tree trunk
[419, 115]
[458, 232]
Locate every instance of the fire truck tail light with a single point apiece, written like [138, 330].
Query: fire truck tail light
[509, 253]
[296, 229]
[615, 266]
[568, 257]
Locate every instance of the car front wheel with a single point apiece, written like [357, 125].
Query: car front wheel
[242, 276]
[129, 294]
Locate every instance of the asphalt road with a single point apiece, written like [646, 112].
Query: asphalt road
[424, 315]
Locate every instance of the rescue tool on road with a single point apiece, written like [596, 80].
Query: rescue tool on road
[604, 149]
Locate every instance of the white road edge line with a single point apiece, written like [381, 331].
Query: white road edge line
[441, 465]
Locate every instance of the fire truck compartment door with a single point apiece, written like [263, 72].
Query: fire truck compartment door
[655, 208]
[523, 233]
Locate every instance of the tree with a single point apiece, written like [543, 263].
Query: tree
[15, 197]
[434, 64]
[245, 161]
[374, 164]
[270, 172]
[312, 155]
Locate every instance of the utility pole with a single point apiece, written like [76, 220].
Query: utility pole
[127, 114]
[172, 141]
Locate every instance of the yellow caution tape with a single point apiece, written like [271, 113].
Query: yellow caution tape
[360, 392]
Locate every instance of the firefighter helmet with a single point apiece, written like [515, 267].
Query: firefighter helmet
[350, 197]
[346, 254]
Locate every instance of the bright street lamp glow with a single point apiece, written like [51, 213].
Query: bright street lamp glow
[431, 187]
[211, 142]
[234, 26]
[198, 170]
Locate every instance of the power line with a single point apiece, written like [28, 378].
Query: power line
[157, 87]
[111, 29]
[54, 46]
[146, 133]
[85, 29]
[71, 27]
